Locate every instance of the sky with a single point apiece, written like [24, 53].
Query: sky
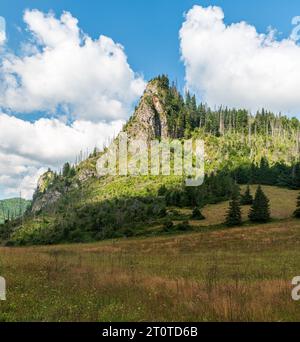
[149, 29]
[72, 71]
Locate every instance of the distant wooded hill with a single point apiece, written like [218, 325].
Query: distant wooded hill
[12, 208]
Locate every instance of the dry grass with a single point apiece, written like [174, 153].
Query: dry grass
[241, 274]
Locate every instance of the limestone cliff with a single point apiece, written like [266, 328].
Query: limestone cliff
[44, 181]
[44, 201]
[43, 196]
[150, 119]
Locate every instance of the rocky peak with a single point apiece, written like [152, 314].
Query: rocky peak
[150, 118]
[148, 122]
[44, 181]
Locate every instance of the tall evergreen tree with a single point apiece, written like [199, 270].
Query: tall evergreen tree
[264, 171]
[66, 170]
[247, 198]
[260, 211]
[297, 211]
[296, 176]
[234, 216]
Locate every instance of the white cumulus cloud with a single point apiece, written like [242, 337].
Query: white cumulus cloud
[64, 71]
[234, 65]
[27, 149]
[2, 31]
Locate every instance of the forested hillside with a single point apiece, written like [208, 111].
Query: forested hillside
[13, 208]
[240, 148]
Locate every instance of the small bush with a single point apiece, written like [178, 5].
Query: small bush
[168, 225]
[183, 226]
[162, 191]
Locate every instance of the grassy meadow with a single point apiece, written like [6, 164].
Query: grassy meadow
[216, 274]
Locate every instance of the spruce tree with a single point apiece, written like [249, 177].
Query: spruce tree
[260, 211]
[247, 198]
[162, 191]
[197, 215]
[234, 216]
[297, 211]
[66, 170]
[296, 176]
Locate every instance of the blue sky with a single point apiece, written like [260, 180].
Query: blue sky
[149, 29]
[61, 93]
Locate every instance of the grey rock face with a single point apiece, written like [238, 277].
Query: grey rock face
[45, 200]
[150, 119]
[86, 174]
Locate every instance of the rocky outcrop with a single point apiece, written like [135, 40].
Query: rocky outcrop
[86, 174]
[150, 120]
[46, 200]
[44, 197]
[44, 181]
